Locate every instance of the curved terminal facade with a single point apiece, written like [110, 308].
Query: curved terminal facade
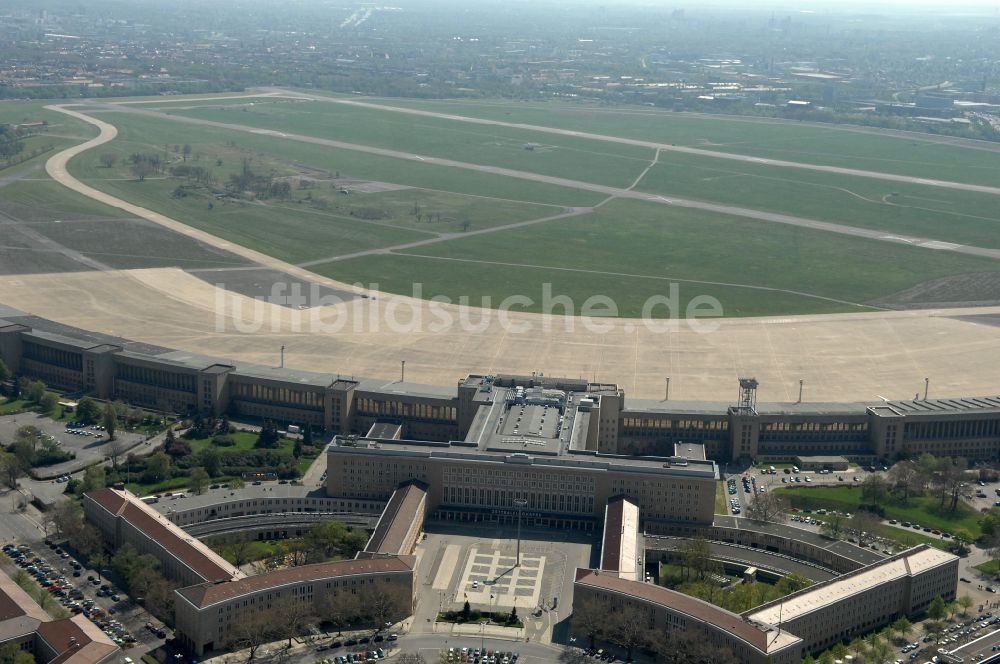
[217, 601]
[546, 452]
[860, 601]
[173, 381]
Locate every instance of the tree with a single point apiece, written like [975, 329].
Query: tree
[589, 619]
[4, 372]
[268, 437]
[990, 523]
[384, 605]
[66, 517]
[937, 609]
[864, 525]
[98, 561]
[48, 402]
[32, 390]
[307, 435]
[109, 159]
[293, 616]
[110, 420]
[466, 610]
[766, 507]
[87, 410]
[88, 540]
[952, 609]
[857, 646]
[833, 525]
[903, 626]
[159, 599]
[629, 629]
[143, 580]
[338, 609]
[10, 469]
[11, 653]
[186, 151]
[239, 547]
[953, 478]
[116, 448]
[157, 467]
[176, 447]
[905, 478]
[142, 167]
[874, 489]
[211, 461]
[966, 603]
[94, 478]
[199, 480]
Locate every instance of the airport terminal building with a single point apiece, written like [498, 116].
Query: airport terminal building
[78, 361]
[529, 450]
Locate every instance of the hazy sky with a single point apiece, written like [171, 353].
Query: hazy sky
[945, 6]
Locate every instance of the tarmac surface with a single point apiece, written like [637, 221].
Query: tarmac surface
[856, 357]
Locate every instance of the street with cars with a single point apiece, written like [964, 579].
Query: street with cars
[88, 592]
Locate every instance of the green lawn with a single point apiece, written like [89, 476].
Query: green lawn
[921, 509]
[989, 567]
[319, 221]
[627, 250]
[721, 499]
[145, 489]
[245, 441]
[908, 538]
[632, 250]
[152, 134]
[589, 160]
[911, 209]
[964, 217]
[256, 550]
[734, 596]
[904, 153]
[16, 406]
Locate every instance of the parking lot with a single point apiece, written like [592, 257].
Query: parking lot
[476, 655]
[88, 592]
[88, 443]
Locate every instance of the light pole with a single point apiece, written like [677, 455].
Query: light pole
[519, 503]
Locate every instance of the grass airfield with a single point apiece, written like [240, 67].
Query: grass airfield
[359, 218]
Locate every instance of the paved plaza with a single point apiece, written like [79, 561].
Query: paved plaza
[494, 578]
[477, 563]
